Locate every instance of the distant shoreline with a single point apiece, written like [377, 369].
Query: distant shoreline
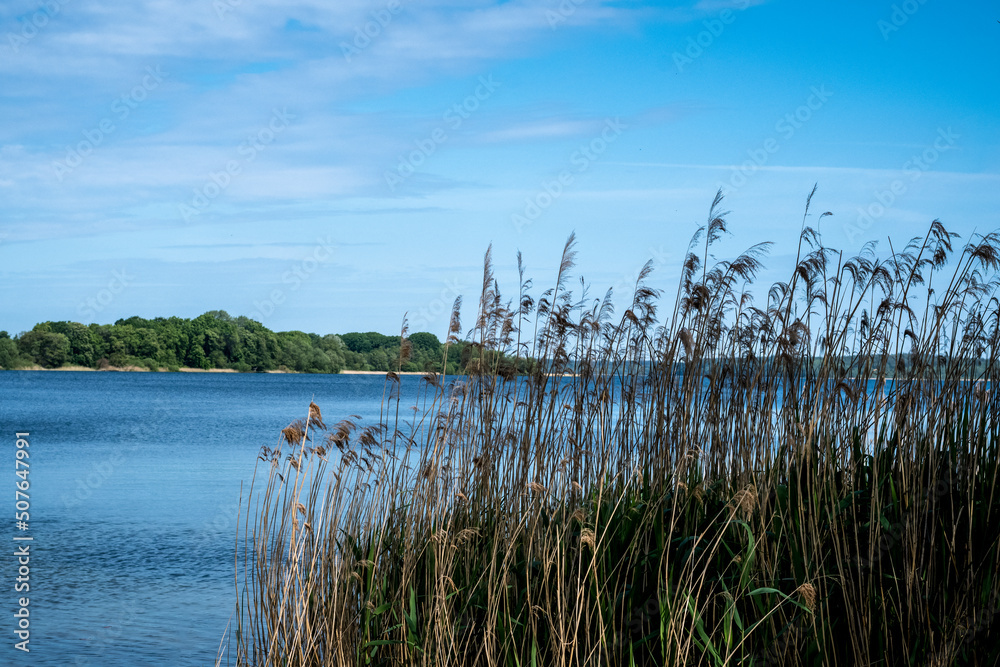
[186, 369]
[128, 369]
[381, 372]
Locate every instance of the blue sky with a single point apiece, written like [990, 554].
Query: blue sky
[328, 166]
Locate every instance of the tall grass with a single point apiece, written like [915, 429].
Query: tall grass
[808, 481]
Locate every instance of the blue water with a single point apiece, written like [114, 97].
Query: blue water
[135, 484]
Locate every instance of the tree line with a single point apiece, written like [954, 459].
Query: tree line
[218, 340]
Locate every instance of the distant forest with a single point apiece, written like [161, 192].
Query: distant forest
[218, 340]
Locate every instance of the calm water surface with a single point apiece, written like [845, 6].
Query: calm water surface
[135, 481]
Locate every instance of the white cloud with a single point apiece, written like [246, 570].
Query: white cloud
[543, 129]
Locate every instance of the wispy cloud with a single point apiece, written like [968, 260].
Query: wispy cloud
[543, 129]
[864, 172]
[366, 86]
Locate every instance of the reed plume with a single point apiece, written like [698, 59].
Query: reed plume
[808, 480]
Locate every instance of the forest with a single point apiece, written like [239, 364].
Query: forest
[217, 340]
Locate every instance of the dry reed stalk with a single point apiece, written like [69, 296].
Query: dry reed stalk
[597, 492]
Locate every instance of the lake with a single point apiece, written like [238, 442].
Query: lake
[134, 489]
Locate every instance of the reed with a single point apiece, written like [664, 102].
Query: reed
[809, 481]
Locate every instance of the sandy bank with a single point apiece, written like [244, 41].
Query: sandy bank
[380, 373]
[185, 369]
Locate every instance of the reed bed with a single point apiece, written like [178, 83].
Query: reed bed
[810, 481]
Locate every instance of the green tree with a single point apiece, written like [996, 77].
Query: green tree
[10, 356]
[45, 348]
[379, 360]
[216, 339]
[426, 352]
[295, 351]
[426, 342]
[81, 340]
[195, 357]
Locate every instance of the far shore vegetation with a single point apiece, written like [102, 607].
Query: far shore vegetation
[217, 341]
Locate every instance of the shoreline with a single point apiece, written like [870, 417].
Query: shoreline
[186, 369]
[125, 369]
[379, 373]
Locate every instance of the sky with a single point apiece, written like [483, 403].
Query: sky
[331, 166]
